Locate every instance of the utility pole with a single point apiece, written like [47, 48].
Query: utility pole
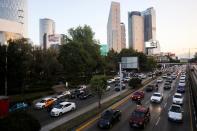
[120, 72]
[6, 86]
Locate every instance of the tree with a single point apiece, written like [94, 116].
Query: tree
[2, 68]
[98, 85]
[135, 82]
[19, 121]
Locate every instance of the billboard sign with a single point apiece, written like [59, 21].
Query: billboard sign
[129, 62]
[151, 44]
[54, 39]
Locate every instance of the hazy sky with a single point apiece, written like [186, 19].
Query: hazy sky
[176, 20]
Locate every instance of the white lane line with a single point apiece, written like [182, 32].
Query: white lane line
[157, 121]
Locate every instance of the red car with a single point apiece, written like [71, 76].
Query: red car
[137, 95]
[139, 117]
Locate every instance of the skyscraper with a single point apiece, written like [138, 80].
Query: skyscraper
[150, 28]
[13, 19]
[113, 28]
[47, 27]
[136, 31]
[123, 36]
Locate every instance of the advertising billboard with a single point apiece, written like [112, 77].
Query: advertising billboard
[151, 44]
[54, 39]
[129, 62]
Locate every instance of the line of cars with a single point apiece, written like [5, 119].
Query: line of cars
[141, 114]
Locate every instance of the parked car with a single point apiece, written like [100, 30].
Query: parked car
[108, 88]
[177, 99]
[159, 80]
[108, 118]
[164, 76]
[175, 113]
[44, 103]
[63, 108]
[119, 88]
[138, 95]
[180, 89]
[182, 83]
[139, 117]
[156, 97]
[84, 96]
[18, 107]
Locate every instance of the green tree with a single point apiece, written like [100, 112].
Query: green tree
[135, 82]
[98, 85]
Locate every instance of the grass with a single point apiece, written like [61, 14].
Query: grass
[75, 122]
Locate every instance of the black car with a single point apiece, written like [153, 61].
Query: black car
[150, 88]
[167, 86]
[84, 96]
[108, 118]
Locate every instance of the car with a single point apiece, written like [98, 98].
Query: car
[182, 83]
[126, 79]
[141, 76]
[44, 103]
[138, 95]
[84, 96]
[139, 117]
[20, 106]
[156, 97]
[150, 88]
[62, 108]
[177, 99]
[108, 88]
[63, 95]
[159, 80]
[164, 76]
[174, 76]
[110, 81]
[175, 113]
[108, 118]
[180, 89]
[118, 87]
[167, 86]
[58, 101]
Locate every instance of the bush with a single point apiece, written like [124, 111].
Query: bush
[135, 82]
[19, 121]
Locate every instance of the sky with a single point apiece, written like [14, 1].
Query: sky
[176, 20]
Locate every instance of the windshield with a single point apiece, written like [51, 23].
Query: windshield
[107, 115]
[175, 109]
[58, 106]
[138, 114]
[177, 96]
[42, 101]
[158, 95]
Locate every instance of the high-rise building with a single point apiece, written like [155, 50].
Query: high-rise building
[13, 19]
[136, 31]
[113, 28]
[47, 27]
[123, 36]
[150, 28]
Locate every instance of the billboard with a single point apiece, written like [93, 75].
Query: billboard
[151, 44]
[54, 39]
[129, 62]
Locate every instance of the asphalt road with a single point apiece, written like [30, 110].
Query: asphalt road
[159, 117]
[44, 117]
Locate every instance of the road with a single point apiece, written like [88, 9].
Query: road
[44, 117]
[159, 117]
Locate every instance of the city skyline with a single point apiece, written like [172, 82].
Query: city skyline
[171, 28]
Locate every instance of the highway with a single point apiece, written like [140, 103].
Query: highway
[159, 114]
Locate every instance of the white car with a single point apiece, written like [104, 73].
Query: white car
[177, 99]
[66, 93]
[108, 88]
[164, 76]
[142, 76]
[63, 108]
[182, 83]
[175, 113]
[156, 97]
[159, 80]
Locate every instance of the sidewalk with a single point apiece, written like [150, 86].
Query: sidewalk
[56, 123]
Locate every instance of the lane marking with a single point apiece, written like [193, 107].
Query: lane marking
[157, 121]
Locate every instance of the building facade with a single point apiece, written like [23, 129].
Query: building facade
[47, 27]
[150, 29]
[136, 31]
[114, 28]
[123, 36]
[13, 19]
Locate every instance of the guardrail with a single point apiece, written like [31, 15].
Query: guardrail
[193, 91]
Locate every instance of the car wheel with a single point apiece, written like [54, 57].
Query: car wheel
[60, 114]
[72, 109]
[143, 126]
[42, 107]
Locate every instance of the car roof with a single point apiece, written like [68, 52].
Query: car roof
[157, 93]
[47, 98]
[178, 94]
[141, 108]
[64, 103]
